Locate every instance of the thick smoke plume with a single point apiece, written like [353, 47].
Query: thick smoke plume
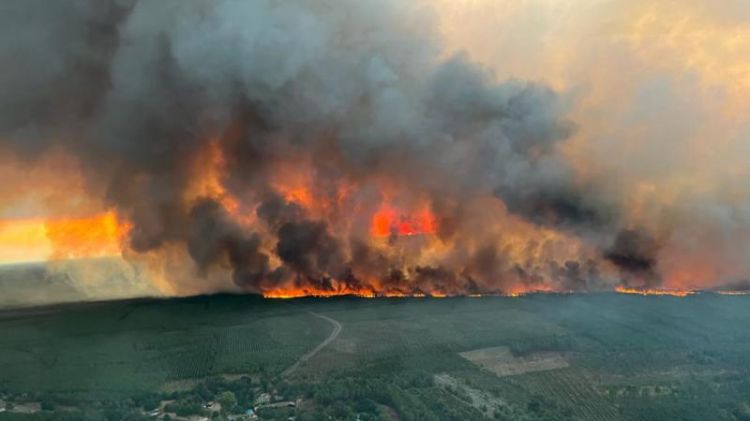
[322, 145]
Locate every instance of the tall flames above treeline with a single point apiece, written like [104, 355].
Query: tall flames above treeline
[301, 148]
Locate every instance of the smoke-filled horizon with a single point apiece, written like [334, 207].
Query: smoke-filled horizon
[382, 147]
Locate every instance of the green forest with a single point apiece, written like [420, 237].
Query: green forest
[556, 357]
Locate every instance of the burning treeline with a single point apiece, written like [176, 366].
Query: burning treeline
[306, 148]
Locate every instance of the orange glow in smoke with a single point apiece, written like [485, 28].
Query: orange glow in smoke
[96, 236]
[299, 195]
[210, 166]
[36, 239]
[388, 220]
[295, 182]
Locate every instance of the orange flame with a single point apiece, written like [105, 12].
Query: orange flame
[301, 292]
[293, 292]
[389, 220]
[648, 291]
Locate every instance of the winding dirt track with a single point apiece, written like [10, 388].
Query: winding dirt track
[334, 334]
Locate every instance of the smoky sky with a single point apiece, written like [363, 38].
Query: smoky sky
[355, 90]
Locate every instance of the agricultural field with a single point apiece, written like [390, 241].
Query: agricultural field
[501, 361]
[113, 350]
[538, 357]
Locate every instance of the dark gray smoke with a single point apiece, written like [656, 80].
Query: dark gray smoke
[634, 251]
[353, 91]
[214, 236]
[276, 211]
[308, 248]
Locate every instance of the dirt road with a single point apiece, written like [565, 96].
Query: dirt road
[334, 334]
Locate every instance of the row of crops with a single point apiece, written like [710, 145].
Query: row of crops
[565, 387]
[122, 348]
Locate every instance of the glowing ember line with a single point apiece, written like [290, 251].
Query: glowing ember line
[670, 292]
[292, 293]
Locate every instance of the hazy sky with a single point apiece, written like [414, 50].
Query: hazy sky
[661, 94]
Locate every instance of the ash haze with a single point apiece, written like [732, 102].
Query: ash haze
[377, 147]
